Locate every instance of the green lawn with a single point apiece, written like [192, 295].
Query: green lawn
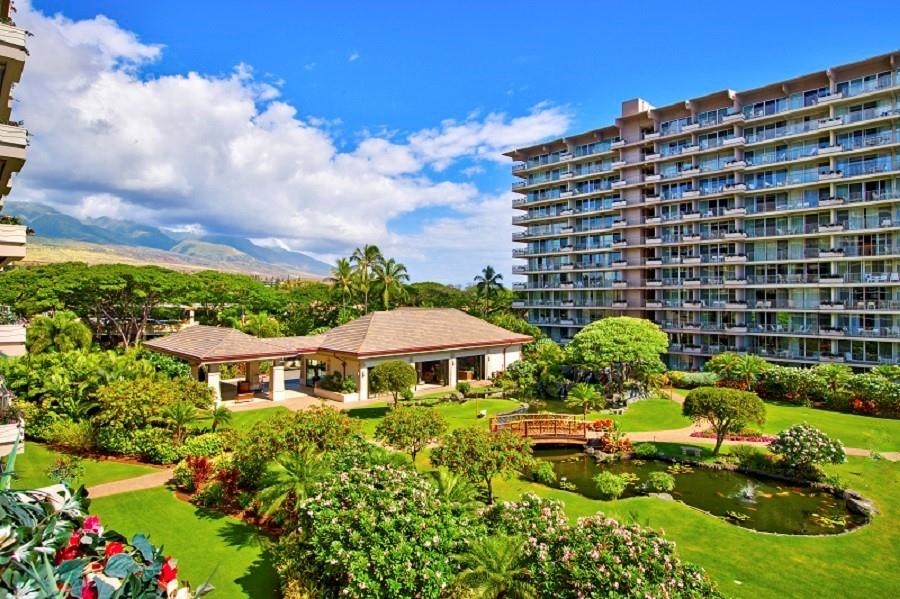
[458, 415]
[31, 468]
[864, 563]
[649, 415]
[866, 432]
[205, 543]
[246, 420]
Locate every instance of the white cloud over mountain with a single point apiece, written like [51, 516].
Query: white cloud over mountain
[227, 153]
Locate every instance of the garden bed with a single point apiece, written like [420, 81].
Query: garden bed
[745, 438]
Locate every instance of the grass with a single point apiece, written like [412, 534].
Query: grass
[31, 468]
[650, 415]
[744, 563]
[880, 434]
[245, 420]
[204, 542]
[457, 415]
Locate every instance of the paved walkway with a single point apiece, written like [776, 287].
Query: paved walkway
[138, 483]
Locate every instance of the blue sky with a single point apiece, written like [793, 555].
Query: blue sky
[377, 122]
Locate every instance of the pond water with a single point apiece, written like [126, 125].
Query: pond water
[760, 504]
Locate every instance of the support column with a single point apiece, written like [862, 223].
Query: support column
[451, 373]
[363, 382]
[213, 381]
[251, 370]
[276, 382]
[195, 372]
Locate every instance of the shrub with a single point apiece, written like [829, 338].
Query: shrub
[610, 485]
[463, 387]
[542, 472]
[155, 446]
[802, 446]
[208, 445]
[67, 469]
[750, 457]
[597, 556]
[73, 436]
[183, 477]
[661, 482]
[646, 451]
[691, 380]
[211, 495]
[411, 429]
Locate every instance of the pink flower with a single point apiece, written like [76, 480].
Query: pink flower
[92, 525]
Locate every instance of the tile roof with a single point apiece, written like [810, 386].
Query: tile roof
[217, 344]
[410, 330]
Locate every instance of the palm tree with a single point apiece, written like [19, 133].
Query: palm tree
[219, 416]
[178, 416]
[363, 259]
[342, 279]
[262, 325]
[389, 276]
[454, 489]
[61, 332]
[487, 284]
[297, 474]
[496, 567]
[584, 396]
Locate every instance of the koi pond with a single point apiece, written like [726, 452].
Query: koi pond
[760, 504]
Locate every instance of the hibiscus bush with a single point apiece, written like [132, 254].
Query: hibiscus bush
[49, 547]
[803, 446]
[372, 531]
[597, 556]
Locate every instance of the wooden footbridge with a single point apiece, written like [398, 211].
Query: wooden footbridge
[544, 429]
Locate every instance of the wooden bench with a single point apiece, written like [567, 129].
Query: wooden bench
[693, 451]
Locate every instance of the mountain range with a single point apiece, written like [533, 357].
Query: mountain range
[60, 237]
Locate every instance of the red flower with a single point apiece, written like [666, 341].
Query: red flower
[92, 525]
[89, 591]
[74, 539]
[168, 573]
[67, 552]
[113, 548]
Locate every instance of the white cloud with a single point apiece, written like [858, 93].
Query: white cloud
[353, 56]
[309, 66]
[225, 154]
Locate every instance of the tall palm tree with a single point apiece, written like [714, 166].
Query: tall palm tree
[487, 284]
[297, 474]
[584, 396]
[61, 332]
[496, 567]
[342, 279]
[363, 259]
[389, 277]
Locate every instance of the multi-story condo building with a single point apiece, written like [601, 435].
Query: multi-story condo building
[13, 141]
[763, 221]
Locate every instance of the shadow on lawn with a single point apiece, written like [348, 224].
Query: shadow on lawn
[372, 413]
[260, 578]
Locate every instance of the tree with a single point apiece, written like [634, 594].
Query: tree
[342, 279]
[454, 489]
[835, 378]
[623, 346]
[487, 285]
[411, 429]
[495, 567]
[178, 416]
[219, 416]
[61, 332]
[516, 324]
[802, 446]
[293, 480]
[388, 279]
[585, 397]
[395, 376]
[480, 455]
[741, 371]
[363, 260]
[727, 410]
[262, 325]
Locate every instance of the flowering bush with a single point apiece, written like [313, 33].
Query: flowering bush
[376, 531]
[802, 446]
[57, 551]
[597, 557]
[744, 435]
[603, 424]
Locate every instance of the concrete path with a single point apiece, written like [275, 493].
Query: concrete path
[138, 483]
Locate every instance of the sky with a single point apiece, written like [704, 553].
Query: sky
[323, 126]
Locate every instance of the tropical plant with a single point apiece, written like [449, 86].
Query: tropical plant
[178, 416]
[61, 332]
[496, 567]
[411, 429]
[454, 489]
[394, 376]
[661, 482]
[480, 455]
[293, 480]
[342, 279]
[261, 325]
[363, 260]
[727, 410]
[388, 278]
[487, 286]
[610, 485]
[740, 371]
[584, 397]
[219, 415]
[835, 378]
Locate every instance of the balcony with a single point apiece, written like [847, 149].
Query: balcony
[566, 194]
[566, 175]
[654, 283]
[652, 157]
[653, 220]
[652, 135]
[736, 281]
[652, 199]
[567, 266]
[519, 270]
[618, 223]
[736, 211]
[735, 235]
[734, 118]
[519, 202]
[829, 122]
[619, 183]
[620, 244]
[652, 178]
[831, 97]
[620, 143]
[691, 193]
[690, 215]
[736, 164]
[734, 141]
[567, 230]
[690, 282]
[518, 304]
[565, 156]
[736, 258]
[690, 149]
[830, 150]
[735, 187]
[519, 166]
[691, 260]
[619, 203]
[518, 185]
[619, 164]
[653, 304]
[690, 127]
[827, 305]
[12, 243]
[620, 304]
[831, 278]
[620, 284]
[831, 228]
[653, 262]
[736, 305]
[653, 240]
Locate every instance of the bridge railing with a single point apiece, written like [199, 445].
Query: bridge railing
[541, 425]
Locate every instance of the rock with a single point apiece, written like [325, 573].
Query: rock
[664, 496]
[851, 494]
[863, 507]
